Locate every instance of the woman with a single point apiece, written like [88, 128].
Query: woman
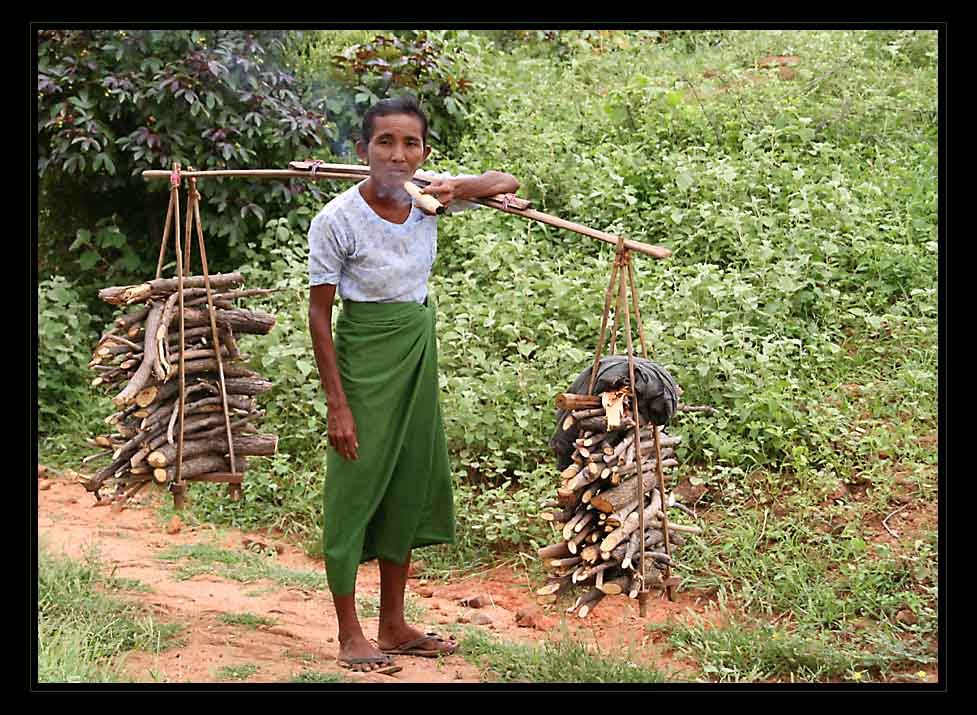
[388, 485]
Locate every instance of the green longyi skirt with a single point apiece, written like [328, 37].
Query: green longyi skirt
[398, 495]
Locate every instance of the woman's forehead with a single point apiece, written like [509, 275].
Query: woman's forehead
[401, 124]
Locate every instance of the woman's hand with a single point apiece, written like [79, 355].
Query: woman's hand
[342, 431]
[444, 190]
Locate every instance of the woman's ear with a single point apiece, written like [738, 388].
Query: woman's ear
[427, 152]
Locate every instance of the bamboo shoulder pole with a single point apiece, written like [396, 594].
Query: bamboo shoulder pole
[353, 172]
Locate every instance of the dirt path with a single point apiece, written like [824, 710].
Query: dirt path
[302, 638]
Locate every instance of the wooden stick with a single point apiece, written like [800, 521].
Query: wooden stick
[603, 330]
[426, 202]
[637, 311]
[353, 173]
[177, 478]
[215, 337]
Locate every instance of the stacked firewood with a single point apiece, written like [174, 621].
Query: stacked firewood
[140, 354]
[597, 508]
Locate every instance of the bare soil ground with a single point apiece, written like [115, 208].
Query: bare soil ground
[303, 637]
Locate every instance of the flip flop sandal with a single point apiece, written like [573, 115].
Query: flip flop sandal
[414, 647]
[388, 669]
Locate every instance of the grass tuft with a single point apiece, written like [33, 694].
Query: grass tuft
[563, 661]
[82, 632]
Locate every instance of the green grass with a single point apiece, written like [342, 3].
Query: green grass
[245, 619]
[314, 676]
[563, 661]
[243, 566]
[83, 634]
[236, 672]
[750, 650]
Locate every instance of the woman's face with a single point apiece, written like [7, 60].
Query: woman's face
[396, 149]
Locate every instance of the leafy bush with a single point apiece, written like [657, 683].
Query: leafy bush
[65, 335]
[420, 63]
[112, 104]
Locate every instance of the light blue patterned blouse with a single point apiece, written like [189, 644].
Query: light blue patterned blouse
[370, 259]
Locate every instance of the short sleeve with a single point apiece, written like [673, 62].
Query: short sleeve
[327, 255]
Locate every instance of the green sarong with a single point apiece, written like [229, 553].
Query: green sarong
[398, 494]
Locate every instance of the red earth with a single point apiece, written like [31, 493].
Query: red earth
[303, 637]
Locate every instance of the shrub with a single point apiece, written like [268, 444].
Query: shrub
[65, 335]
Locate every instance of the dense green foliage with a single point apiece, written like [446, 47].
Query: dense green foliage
[800, 201]
[112, 104]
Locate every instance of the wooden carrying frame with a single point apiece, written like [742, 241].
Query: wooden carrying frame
[623, 266]
[233, 478]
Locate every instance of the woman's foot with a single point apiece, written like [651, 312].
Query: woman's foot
[404, 640]
[359, 655]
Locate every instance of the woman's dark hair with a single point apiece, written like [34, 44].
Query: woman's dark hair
[405, 104]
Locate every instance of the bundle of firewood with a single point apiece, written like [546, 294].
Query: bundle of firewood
[597, 506]
[141, 353]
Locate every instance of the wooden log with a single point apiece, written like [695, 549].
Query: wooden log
[563, 563]
[239, 320]
[145, 371]
[617, 518]
[198, 354]
[126, 295]
[146, 396]
[568, 528]
[590, 604]
[586, 599]
[222, 477]
[591, 553]
[571, 471]
[653, 579]
[577, 539]
[554, 551]
[234, 402]
[257, 445]
[617, 585]
[561, 516]
[617, 536]
[192, 467]
[555, 586]
[584, 414]
[105, 351]
[201, 333]
[599, 424]
[135, 317]
[672, 526]
[568, 498]
[611, 500]
[666, 443]
[634, 541]
[584, 573]
[581, 480]
[196, 423]
[569, 401]
[589, 493]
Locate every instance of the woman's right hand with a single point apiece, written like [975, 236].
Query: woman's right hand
[342, 431]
